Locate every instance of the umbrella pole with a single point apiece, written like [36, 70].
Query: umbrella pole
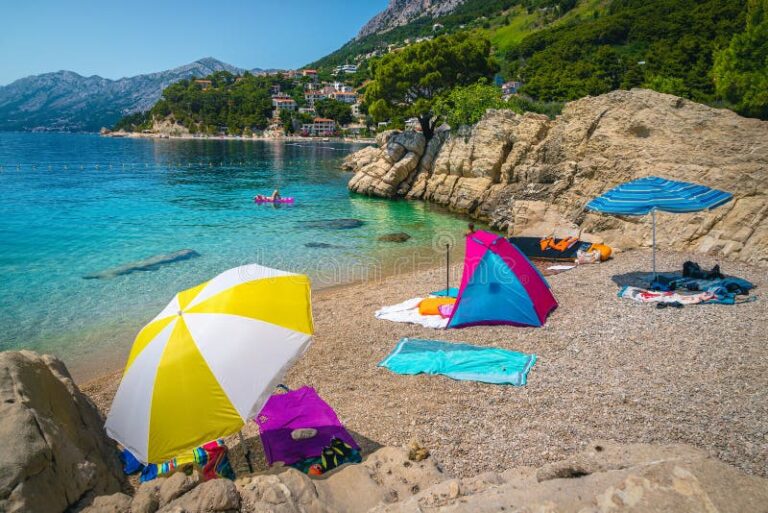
[653, 216]
[247, 451]
[447, 268]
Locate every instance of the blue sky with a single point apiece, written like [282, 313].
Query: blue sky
[123, 38]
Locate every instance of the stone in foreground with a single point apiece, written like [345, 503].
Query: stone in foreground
[54, 452]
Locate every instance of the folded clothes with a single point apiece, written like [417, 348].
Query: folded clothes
[212, 460]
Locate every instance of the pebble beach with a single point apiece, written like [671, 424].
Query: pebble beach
[607, 369]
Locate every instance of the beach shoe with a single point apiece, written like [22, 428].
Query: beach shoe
[337, 453]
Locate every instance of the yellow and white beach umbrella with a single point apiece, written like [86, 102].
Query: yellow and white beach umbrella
[209, 361]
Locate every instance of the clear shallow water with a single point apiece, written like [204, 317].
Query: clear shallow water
[78, 204]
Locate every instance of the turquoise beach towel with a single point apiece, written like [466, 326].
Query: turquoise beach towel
[463, 362]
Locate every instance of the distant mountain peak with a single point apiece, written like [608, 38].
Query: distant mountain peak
[402, 12]
[67, 101]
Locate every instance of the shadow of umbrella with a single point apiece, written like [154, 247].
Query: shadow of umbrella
[237, 454]
[639, 279]
[367, 446]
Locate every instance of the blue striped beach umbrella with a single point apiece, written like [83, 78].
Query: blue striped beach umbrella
[649, 194]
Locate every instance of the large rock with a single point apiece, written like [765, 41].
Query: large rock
[530, 175]
[218, 495]
[174, 487]
[380, 172]
[55, 454]
[116, 503]
[605, 478]
[384, 477]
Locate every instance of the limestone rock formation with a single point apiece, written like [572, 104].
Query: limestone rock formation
[116, 503]
[384, 477]
[55, 454]
[529, 175]
[607, 477]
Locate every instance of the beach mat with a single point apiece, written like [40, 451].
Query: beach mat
[459, 361]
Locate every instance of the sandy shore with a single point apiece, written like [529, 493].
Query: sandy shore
[608, 368]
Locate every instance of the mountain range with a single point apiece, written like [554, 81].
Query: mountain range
[560, 50]
[402, 12]
[67, 101]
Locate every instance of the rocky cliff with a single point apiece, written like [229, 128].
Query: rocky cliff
[401, 12]
[529, 175]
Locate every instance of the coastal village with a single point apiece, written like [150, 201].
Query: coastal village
[313, 89]
[317, 90]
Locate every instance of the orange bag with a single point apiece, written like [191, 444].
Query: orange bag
[430, 305]
[604, 250]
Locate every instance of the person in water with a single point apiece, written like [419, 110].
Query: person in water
[276, 195]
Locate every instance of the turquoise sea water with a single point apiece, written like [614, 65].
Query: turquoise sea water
[78, 204]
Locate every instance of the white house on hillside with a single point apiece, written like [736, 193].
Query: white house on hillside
[281, 104]
[319, 127]
[344, 97]
[346, 68]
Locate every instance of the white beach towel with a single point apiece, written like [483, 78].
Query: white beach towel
[408, 311]
[560, 267]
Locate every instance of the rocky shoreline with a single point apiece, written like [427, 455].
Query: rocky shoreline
[529, 175]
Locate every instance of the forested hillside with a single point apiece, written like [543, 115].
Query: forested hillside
[237, 103]
[561, 50]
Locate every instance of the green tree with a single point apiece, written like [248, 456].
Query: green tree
[338, 111]
[740, 71]
[407, 83]
[465, 105]
[676, 39]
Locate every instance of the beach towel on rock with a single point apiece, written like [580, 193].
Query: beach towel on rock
[459, 361]
[213, 460]
[408, 311]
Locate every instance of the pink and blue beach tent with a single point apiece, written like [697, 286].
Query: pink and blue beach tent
[500, 286]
